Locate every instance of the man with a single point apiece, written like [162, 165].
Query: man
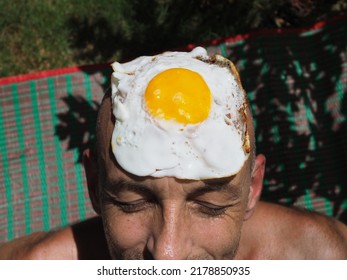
[156, 202]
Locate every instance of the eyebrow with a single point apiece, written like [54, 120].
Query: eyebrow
[120, 185]
[228, 188]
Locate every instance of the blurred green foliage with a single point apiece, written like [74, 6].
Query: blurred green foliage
[44, 34]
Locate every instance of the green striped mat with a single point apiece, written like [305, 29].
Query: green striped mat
[45, 124]
[296, 82]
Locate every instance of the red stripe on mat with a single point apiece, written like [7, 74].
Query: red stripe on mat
[53, 72]
[271, 32]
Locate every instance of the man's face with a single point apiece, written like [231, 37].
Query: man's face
[166, 218]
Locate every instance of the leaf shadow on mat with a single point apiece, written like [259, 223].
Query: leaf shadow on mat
[300, 116]
[77, 125]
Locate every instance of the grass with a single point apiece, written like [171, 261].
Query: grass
[44, 34]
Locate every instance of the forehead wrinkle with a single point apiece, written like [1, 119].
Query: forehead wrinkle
[116, 185]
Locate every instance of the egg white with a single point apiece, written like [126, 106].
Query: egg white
[146, 146]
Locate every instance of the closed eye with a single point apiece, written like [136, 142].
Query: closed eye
[137, 203]
[129, 197]
[133, 206]
[212, 209]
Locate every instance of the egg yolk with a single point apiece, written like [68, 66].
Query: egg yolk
[178, 94]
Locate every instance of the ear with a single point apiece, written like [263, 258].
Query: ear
[91, 170]
[256, 185]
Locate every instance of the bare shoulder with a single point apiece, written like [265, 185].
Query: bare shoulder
[83, 240]
[292, 233]
[41, 245]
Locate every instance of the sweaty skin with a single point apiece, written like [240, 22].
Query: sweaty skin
[166, 218]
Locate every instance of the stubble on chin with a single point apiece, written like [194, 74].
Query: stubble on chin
[133, 254]
[136, 254]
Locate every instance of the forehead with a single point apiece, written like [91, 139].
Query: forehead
[114, 176]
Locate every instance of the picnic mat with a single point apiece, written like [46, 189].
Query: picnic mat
[296, 82]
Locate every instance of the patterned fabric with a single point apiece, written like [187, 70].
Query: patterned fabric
[296, 82]
[45, 125]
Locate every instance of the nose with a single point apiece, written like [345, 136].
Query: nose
[170, 239]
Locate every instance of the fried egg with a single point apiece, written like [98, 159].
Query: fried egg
[179, 114]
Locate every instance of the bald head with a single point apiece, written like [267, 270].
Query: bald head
[104, 128]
